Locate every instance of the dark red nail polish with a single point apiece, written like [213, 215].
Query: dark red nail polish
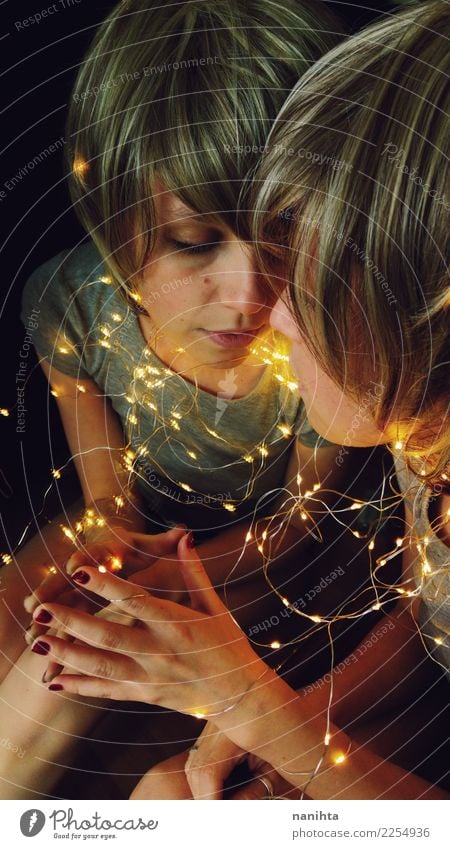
[40, 647]
[190, 542]
[56, 687]
[81, 577]
[44, 617]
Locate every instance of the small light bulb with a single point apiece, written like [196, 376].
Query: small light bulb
[275, 645]
[339, 759]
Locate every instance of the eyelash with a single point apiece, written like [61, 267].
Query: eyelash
[188, 248]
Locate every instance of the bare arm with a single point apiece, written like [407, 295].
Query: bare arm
[95, 438]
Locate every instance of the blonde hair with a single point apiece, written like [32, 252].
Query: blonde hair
[351, 196]
[185, 92]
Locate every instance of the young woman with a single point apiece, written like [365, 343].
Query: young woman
[174, 394]
[351, 195]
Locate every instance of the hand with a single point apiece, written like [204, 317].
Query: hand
[210, 762]
[163, 579]
[265, 783]
[132, 549]
[201, 647]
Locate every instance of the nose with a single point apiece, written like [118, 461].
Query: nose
[242, 287]
[282, 320]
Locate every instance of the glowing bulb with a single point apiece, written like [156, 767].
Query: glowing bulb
[426, 569]
[316, 487]
[63, 350]
[119, 501]
[376, 606]
[230, 507]
[316, 619]
[54, 393]
[285, 601]
[293, 386]
[192, 454]
[438, 640]
[382, 563]
[263, 450]
[6, 559]
[199, 715]
[68, 533]
[339, 759]
[356, 505]
[106, 280]
[260, 549]
[398, 445]
[371, 545]
[248, 536]
[116, 564]
[186, 487]
[81, 388]
[248, 458]
[102, 569]
[356, 534]
[275, 645]
[4, 412]
[80, 166]
[303, 516]
[116, 317]
[327, 739]
[52, 570]
[285, 430]
[56, 474]
[399, 542]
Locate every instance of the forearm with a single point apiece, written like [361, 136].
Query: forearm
[300, 745]
[376, 677]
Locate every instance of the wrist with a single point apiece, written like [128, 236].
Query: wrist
[104, 515]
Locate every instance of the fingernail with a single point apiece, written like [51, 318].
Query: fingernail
[81, 577]
[40, 647]
[56, 687]
[47, 677]
[44, 617]
[190, 542]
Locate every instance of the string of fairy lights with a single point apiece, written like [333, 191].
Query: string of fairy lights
[145, 379]
[304, 503]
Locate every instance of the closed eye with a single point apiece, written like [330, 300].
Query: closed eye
[194, 248]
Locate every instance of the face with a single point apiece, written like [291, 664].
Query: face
[331, 413]
[201, 290]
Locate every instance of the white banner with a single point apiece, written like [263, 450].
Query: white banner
[216, 825]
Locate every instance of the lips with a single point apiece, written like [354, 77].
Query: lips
[233, 338]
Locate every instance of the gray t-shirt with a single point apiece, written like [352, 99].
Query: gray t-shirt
[434, 554]
[221, 454]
